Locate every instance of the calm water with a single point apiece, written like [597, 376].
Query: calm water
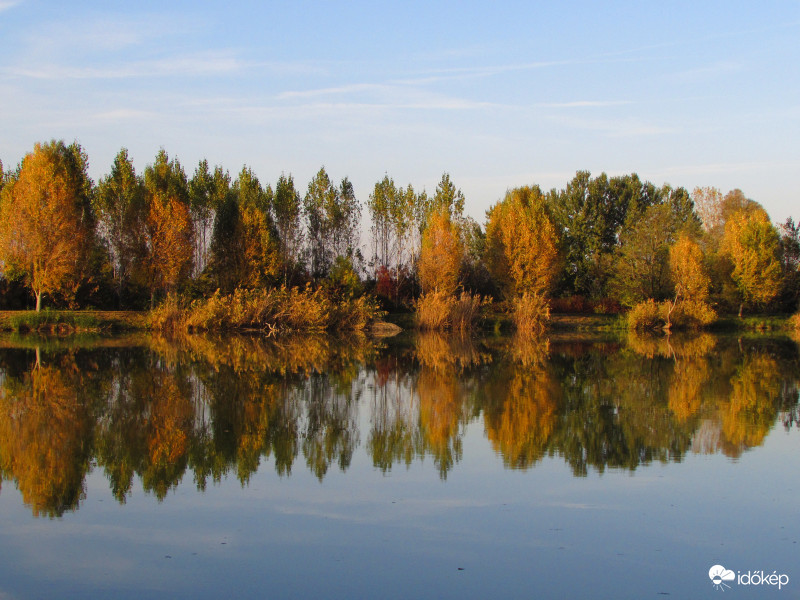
[414, 467]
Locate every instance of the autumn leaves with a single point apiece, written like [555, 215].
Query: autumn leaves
[133, 239]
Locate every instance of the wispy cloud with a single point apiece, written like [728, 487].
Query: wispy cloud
[124, 114]
[354, 88]
[625, 127]
[584, 104]
[192, 65]
[704, 72]
[8, 4]
[728, 168]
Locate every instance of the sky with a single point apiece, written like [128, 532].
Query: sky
[497, 94]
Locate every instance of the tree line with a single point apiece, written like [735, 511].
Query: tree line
[599, 244]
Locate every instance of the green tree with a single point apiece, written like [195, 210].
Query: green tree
[120, 207]
[381, 207]
[642, 263]
[207, 193]
[590, 214]
[243, 248]
[202, 205]
[320, 204]
[448, 197]
[286, 213]
[346, 221]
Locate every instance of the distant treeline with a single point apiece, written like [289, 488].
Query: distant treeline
[600, 244]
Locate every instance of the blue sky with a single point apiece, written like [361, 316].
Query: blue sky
[497, 94]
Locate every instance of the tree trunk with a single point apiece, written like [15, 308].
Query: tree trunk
[741, 305]
[38, 301]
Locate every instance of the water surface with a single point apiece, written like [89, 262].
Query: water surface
[422, 466]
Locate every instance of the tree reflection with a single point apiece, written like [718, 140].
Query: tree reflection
[46, 420]
[750, 411]
[442, 383]
[160, 409]
[521, 407]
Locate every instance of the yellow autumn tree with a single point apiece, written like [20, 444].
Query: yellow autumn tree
[43, 230]
[522, 243]
[751, 243]
[522, 254]
[690, 308]
[169, 233]
[167, 229]
[441, 255]
[687, 269]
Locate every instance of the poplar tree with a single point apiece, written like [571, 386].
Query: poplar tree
[168, 230]
[286, 213]
[120, 207]
[441, 255]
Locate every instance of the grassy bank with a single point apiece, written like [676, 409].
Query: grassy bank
[72, 321]
[90, 321]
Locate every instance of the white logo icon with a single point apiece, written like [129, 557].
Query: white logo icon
[719, 575]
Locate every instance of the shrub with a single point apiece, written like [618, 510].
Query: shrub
[645, 315]
[687, 314]
[467, 310]
[354, 314]
[794, 325]
[433, 310]
[168, 317]
[530, 313]
[272, 310]
[584, 305]
[691, 314]
[438, 311]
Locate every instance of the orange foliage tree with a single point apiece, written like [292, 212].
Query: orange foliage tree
[441, 255]
[168, 227]
[521, 243]
[44, 227]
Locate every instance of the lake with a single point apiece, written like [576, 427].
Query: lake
[420, 466]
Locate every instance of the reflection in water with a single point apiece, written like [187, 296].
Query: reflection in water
[46, 433]
[153, 409]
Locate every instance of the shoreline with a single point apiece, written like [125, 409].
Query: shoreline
[65, 322]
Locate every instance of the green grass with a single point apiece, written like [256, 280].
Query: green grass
[68, 321]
